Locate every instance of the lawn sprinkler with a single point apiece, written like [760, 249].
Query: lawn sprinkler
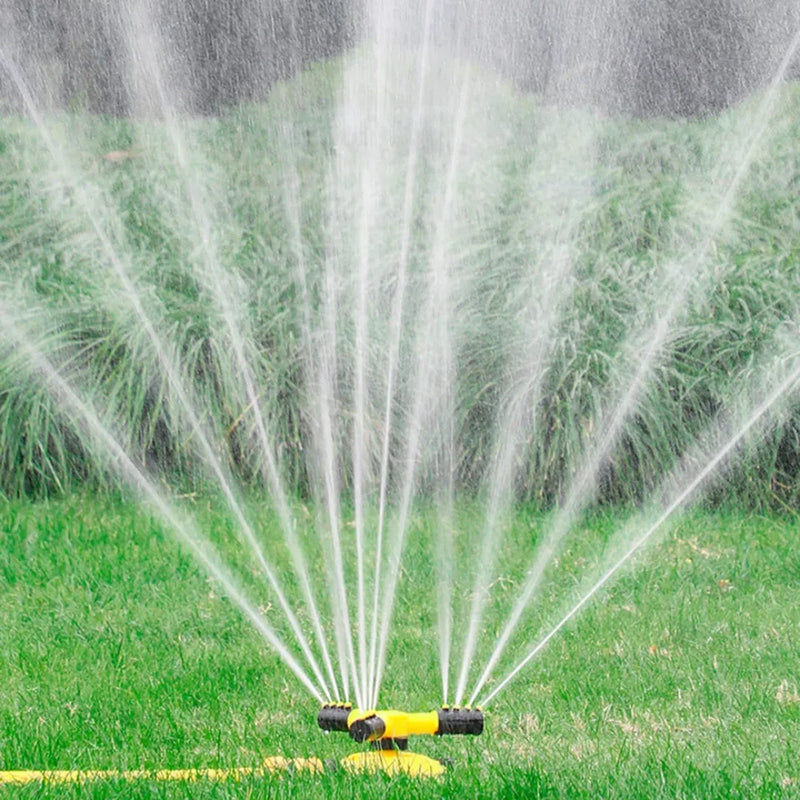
[387, 733]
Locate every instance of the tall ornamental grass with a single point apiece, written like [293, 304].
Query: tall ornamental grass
[612, 233]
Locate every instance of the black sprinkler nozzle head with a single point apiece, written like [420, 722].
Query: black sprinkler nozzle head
[460, 721]
[369, 729]
[333, 717]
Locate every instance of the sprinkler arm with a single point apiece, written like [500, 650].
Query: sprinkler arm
[391, 724]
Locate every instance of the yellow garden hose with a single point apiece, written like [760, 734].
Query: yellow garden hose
[272, 766]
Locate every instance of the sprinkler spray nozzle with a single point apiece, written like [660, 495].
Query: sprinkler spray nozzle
[455, 721]
[333, 716]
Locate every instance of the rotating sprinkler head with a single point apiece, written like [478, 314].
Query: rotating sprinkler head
[388, 731]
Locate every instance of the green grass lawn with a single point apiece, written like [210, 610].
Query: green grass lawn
[681, 681]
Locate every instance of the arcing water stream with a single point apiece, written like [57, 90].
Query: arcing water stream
[740, 157]
[87, 419]
[188, 406]
[689, 481]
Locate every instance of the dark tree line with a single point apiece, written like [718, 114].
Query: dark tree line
[643, 57]
[227, 51]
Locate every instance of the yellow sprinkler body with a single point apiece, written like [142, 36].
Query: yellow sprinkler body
[388, 731]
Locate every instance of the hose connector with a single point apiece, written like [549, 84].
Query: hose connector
[368, 729]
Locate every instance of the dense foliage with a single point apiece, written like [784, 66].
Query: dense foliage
[562, 258]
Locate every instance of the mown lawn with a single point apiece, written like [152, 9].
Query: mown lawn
[681, 681]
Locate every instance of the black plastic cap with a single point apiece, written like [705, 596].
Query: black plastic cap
[368, 729]
[460, 721]
[333, 717]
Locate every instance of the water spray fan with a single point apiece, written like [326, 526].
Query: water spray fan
[388, 732]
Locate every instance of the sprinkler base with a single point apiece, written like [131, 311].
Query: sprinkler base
[394, 762]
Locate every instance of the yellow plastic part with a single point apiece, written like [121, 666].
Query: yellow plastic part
[401, 724]
[271, 766]
[394, 762]
[280, 764]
